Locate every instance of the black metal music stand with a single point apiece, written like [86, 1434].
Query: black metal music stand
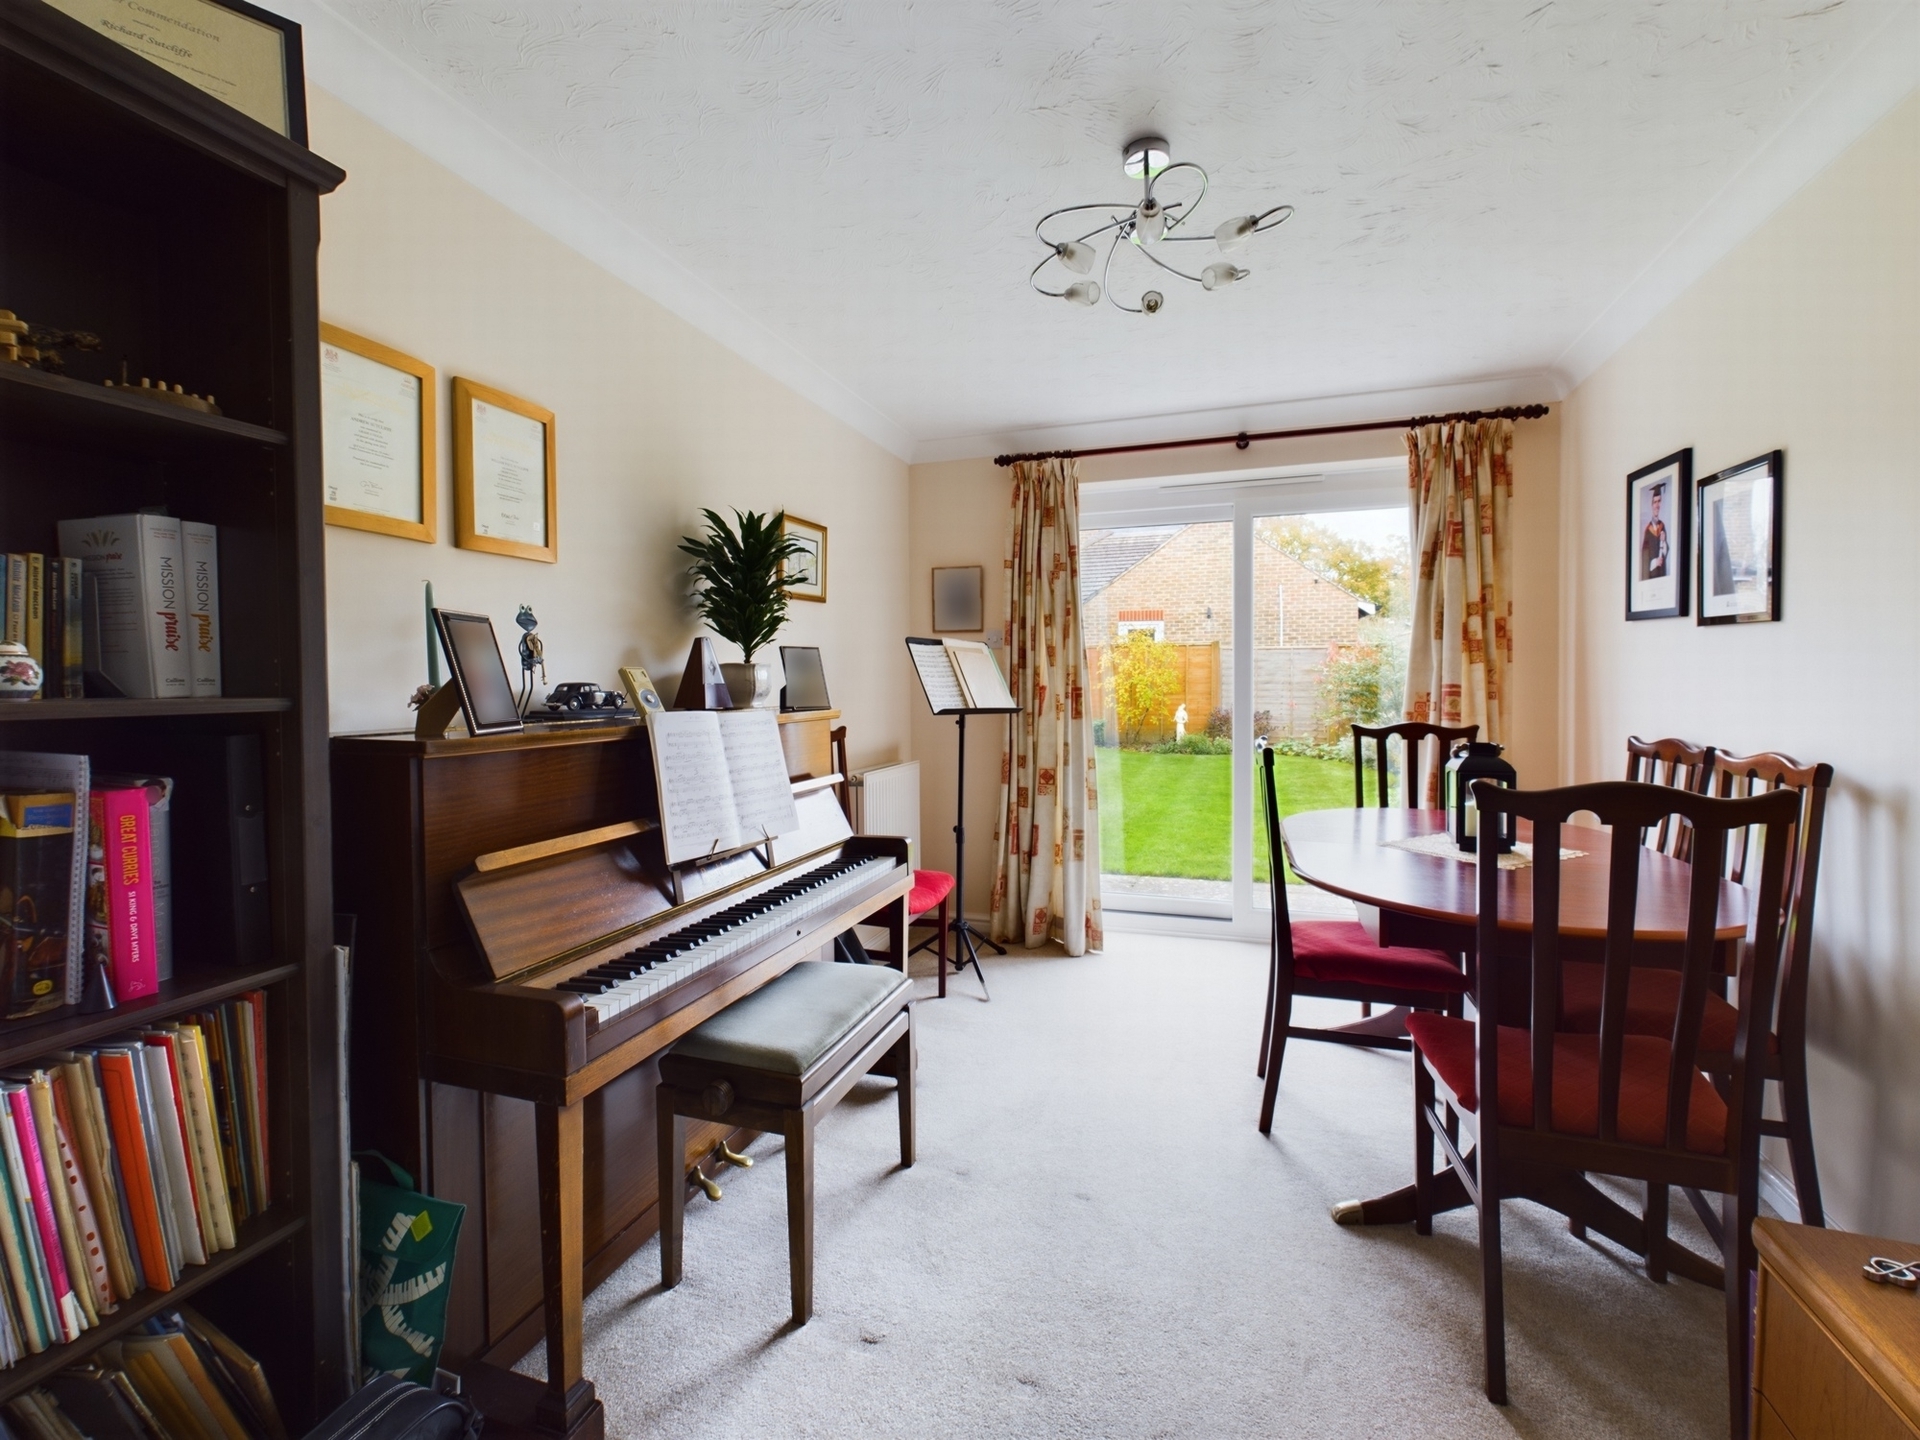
[946, 695]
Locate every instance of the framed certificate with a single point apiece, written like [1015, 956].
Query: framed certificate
[244, 56]
[1736, 536]
[504, 497]
[377, 437]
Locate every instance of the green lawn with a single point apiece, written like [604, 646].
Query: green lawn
[1172, 814]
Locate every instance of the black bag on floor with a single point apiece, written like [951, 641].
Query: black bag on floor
[391, 1409]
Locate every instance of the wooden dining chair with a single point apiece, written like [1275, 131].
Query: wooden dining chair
[1680, 764]
[1420, 783]
[1335, 960]
[1615, 1103]
[1653, 994]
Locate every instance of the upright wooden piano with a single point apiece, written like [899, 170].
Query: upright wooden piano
[520, 962]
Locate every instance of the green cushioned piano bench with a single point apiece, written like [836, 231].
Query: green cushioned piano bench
[776, 1061]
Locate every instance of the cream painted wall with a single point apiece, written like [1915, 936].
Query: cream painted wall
[653, 421]
[959, 510]
[1806, 338]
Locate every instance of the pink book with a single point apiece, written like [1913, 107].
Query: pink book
[122, 817]
[63, 1297]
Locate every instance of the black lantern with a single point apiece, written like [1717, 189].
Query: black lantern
[1476, 760]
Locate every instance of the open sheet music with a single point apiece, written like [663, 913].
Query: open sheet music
[722, 778]
[960, 675]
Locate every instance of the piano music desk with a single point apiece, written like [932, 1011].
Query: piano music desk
[482, 1073]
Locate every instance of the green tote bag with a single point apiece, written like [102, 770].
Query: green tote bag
[407, 1243]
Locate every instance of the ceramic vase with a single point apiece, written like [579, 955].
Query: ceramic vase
[20, 673]
[749, 685]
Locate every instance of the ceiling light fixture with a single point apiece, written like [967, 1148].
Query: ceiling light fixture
[1150, 226]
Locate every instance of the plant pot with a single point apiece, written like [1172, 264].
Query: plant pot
[749, 685]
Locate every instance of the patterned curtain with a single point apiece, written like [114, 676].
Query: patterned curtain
[1461, 478]
[1046, 883]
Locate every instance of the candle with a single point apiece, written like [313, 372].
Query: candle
[433, 643]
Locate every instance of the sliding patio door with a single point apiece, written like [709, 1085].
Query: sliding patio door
[1218, 610]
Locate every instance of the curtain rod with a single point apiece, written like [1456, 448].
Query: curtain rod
[1243, 439]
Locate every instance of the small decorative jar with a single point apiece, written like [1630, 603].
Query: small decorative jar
[20, 673]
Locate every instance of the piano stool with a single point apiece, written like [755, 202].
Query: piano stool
[776, 1061]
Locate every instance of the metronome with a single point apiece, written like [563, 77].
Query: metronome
[703, 687]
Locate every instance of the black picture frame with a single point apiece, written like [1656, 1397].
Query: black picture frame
[1659, 493]
[479, 673]
[1738, 583]
[294, 58]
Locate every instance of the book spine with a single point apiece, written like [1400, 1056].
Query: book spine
[66, 1307]
[40, 1098]
[88, 1213]
[201, 543]
[16, 620]
[14, 1245]
[53, 683]
[128, 877]
[88, 1134]
[73, 626]
[36, 622]
[169, 1145]
[163, 566]
[193, 1055]
[109, 549]
[136, 1166]
[254, 1007]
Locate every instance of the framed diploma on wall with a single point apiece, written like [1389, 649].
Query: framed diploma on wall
[378, 456]
[505, 498]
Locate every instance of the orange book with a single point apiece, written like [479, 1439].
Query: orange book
[136, 1167]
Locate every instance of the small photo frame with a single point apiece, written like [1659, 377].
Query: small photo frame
[959, 598]
[1658, 541]
[1737, 551]
[378, 437]
[505, 490]
[806, 573]
[487, 701]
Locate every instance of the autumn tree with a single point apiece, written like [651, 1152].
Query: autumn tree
[1147, 683]
[1373, 572]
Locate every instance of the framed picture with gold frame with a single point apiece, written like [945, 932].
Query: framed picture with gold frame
[378, 437]
[505, 488]
[805, 574]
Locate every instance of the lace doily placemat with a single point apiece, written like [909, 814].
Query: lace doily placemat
[1440, 845]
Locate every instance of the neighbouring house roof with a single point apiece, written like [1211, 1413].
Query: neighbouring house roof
[1106, 555]
[1366, 607]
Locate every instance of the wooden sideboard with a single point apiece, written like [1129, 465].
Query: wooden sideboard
[1836, 1357]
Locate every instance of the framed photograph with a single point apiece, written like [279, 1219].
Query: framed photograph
[959, 597]
[1658, 545]
[378, 452]
[806, 573]
[1736, 527]
[487, 701]
[505, 492]
[240, 54]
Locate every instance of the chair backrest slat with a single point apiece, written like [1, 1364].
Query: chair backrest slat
[1677, 763]
[1546, 919]
[1623, 905]
[1420, 780]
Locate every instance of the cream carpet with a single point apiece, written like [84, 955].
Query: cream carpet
[1096, 1241]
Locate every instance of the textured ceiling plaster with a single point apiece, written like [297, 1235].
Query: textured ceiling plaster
[1475, 183]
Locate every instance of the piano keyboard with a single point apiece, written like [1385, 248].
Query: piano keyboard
[667, 959]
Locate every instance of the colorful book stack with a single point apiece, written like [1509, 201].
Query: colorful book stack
[178, 1376]
[123, 1162]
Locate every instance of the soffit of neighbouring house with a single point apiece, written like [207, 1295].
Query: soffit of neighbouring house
[1478, 186]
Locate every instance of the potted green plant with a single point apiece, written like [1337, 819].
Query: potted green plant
[740, 594]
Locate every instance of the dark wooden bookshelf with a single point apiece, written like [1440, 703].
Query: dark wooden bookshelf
[254, 1237]
[186, 236]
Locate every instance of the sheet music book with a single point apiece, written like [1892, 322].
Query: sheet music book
[960, 675]
[722, 778]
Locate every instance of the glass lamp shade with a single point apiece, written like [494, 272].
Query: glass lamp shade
[1232, 234]
[1149, 220]
[1083, 292]
[1075, 256]
[1152, 301]
[1476, 760]
[1216, 277]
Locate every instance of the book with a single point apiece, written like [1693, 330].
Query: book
[68, 1317]
[95, 1404]
[119, 825]
[960, 675]
[136, 565]
[128, 1135]
[45, 771]
[252, 1010]
[189, 1194]
[59, 1194]
[36, 617]
[203, 605]
[187, 1371]
[16, 615]
[722, 780]
[15, 1248]
[159, 790]
[37, 840]
[163, 1177]
[245, 1373]
[66, 615]
[190, 1047]
[75, 1087]
[88, 1214]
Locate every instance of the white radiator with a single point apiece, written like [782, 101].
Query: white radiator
[886, 801]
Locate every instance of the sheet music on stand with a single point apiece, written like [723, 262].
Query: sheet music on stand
[722, 782]
[960, 677]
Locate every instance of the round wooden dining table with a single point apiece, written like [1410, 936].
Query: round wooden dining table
[1429, 901]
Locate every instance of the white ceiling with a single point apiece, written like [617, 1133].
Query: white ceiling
[1480, 187]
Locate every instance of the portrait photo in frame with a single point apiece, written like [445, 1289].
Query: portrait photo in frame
[1658, 539]
[959, 598]
[1737, 549]
[379, 459]
[805, 575]
[505, 489]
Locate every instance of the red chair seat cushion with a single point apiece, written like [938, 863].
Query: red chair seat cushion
[1342, 952]
[1653, 995]
[1447, 1044]
[930, 887]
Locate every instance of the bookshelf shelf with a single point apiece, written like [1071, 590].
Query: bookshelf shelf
[30, 710]
[45, 407]
[22, 1041]
[255, 1237]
